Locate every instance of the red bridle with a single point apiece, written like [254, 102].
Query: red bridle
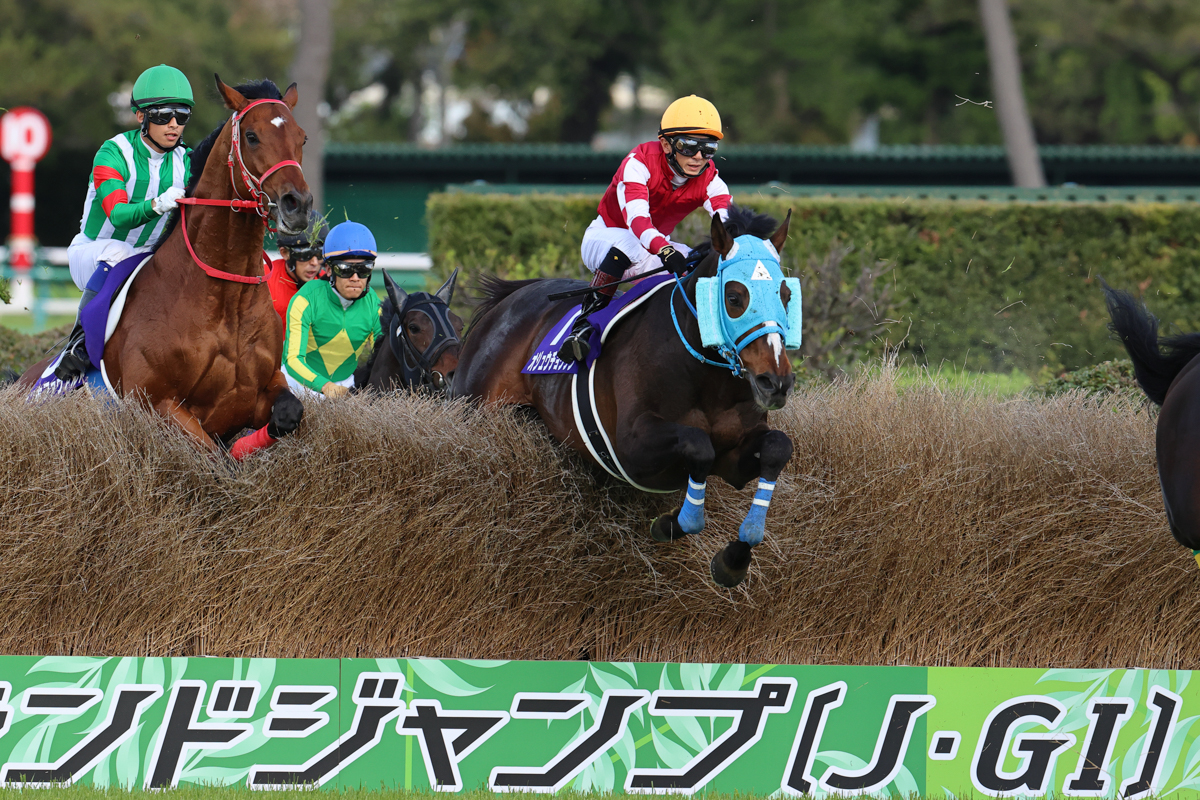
[261, 203]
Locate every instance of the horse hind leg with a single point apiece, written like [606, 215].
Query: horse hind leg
[695, 448]
[185, 419]
[730, 566]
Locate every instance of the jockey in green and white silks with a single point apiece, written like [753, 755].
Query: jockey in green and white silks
[136, 179]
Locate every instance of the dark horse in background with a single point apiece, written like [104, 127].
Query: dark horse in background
[1169, 373]
[420, 343]
[672, 420]
[202, 345]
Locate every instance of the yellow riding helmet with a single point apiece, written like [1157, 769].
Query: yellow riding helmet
[693, 115]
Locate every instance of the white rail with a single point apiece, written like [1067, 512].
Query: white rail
[26, 301]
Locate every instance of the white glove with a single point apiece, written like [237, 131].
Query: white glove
[167, 200]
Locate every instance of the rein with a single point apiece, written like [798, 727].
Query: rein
[732, 362]
[261, 203]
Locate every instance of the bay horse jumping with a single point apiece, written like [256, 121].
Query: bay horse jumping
[1168, 371]
[199, 341]
[420, 343]
[673, 420]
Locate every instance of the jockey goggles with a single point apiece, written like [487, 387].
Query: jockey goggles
[687, 146]
[345, 269]
[305, 253]
[161, 115]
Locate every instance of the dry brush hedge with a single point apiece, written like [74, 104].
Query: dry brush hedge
[915, 528]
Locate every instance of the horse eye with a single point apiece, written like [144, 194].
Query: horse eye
[733, 299]
[251, 137]
[414, 328]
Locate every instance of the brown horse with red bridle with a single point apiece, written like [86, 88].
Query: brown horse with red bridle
[199, 341]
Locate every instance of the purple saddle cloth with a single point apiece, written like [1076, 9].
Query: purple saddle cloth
[95, 314]
[545, 360]
[94, 319]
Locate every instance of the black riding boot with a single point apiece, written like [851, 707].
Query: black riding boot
[575, 347]
[75, 361]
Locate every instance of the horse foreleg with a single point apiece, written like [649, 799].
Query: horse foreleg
[772, 452]
[766, 456]
[277, 413]
[660, 445]
[175, 411]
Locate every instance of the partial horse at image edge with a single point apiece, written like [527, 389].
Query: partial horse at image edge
[1168, 371]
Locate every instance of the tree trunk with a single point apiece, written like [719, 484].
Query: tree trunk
[310, 70]
[1019, 141]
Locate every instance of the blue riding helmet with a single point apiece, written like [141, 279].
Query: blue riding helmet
[754, 263]
[350, 240]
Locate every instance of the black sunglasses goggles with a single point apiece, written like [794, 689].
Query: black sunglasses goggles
[161, 115]
[345, 269]
[687, 146]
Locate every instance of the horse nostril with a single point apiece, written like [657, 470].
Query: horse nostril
[766, 382]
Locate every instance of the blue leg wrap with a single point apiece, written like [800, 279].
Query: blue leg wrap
[691, 516]
[754, 526]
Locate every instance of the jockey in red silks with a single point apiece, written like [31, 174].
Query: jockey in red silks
[657, 185]
[302, 262]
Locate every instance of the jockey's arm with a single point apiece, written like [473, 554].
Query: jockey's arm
[109, 174]
[718, 200]
[299, 322]
[633, 193]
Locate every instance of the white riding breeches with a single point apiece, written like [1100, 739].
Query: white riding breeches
[598, 239]
[83, 255]
[300, 390]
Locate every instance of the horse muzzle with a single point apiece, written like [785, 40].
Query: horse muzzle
[292, 209]
[770, 390]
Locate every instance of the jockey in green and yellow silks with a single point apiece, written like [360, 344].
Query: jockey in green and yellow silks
[136, 179]
[331, 323]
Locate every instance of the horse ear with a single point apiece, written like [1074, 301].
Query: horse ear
[233, 98]
[779, 237]
[394, 292]
[722, 242]
[291, 96]
[447, 290]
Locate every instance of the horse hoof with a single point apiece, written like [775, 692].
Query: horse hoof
[729, 566]
[666, 528]
[285, 415]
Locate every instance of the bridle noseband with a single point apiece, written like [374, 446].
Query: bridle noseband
[416, 367]
[261, 203]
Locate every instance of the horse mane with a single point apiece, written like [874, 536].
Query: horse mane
[264, 89]
[386, 312]
[489, 291]
[741, 221]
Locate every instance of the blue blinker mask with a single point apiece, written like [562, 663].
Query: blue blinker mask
[754, 263]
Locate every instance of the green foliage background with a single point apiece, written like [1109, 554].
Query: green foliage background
[986, 286]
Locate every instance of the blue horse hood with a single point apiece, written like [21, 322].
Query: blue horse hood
[754, 263]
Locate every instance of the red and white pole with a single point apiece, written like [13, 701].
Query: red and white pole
[24, 140]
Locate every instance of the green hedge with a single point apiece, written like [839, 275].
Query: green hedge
[984, 285]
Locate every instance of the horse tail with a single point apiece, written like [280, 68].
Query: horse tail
[490, 291]
[8, 377]
[1155, 362]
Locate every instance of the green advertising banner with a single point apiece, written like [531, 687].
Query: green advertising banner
[548, 726]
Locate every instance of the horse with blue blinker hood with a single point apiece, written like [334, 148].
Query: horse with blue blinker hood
[683, 386]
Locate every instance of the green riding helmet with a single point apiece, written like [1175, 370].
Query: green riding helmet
[158, 85]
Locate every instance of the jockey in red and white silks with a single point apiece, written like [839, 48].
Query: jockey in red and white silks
[642, 206]
[657, 185]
